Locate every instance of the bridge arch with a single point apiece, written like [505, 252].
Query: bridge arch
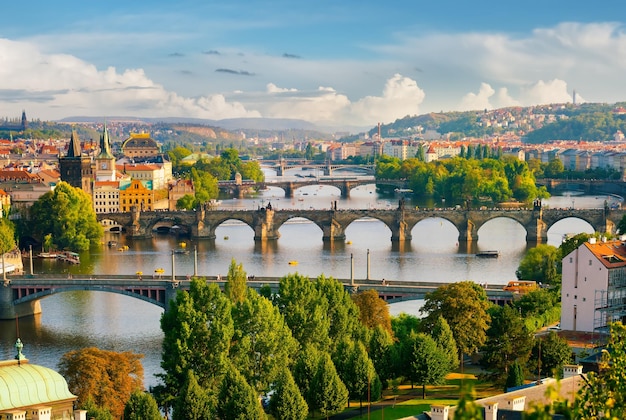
[156, 297]
[111, 225]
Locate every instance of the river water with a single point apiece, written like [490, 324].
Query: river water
[115, 322]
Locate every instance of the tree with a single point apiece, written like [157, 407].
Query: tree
[141, 406]
[464, 306]
[304, 369]
[551, 353]
[262, 343]
[328, 394]
[305, 310]
[539, 264]
[403, 325]
[515, 376]
[355, 369]
[442, 334]
[198, 328]
[604, 394]
[428, 364]
[287, 403]
[373, 310]
[7, 236]
[380, 351]
[237, 399]
[236, 283]
[343, 312]
[508, 342]
[96, 412]
[194, 401]
[107, 377]
[67, 214]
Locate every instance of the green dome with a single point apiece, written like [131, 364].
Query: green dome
[25, 385]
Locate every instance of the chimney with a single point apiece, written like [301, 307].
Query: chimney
[572, 370]
[592, 241]
[491, 411]
[439, 412]
[80, 414]
[41, 413]
[516, 403]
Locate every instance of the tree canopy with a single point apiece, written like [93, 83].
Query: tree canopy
[108, 378]
[67, 214]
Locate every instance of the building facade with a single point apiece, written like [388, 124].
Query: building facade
[593, 291]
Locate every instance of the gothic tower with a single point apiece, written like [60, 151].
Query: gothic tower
[105, 161]
[74, 167]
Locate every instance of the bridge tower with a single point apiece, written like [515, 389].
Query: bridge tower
[537, 230]
[280, 169]
[400, 230]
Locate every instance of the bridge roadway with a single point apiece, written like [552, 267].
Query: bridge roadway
[21, 295]
[266, 222]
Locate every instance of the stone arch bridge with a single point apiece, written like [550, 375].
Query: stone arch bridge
[266, 222]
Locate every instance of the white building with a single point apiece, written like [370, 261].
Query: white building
[593, 291]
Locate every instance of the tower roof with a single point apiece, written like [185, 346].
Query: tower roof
[74, 147]
[105, 145]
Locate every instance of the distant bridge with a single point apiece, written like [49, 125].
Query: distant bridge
[344, 184]
[327, 168]
[586, 186]
[21, 295]
[266, 221]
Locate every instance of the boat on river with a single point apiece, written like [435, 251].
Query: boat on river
[488, 254]
[51, 255]
[69, 257]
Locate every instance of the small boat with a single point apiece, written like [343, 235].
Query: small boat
[112, 244]
[293, 262]
[47, 255]
[181, 251]
[69, 257]
[488, 254]
[349, 243]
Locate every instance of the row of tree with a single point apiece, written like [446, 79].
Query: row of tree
[460, 179]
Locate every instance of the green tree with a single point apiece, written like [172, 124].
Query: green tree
[464, 306]
[551, 353]
[428, 364]
[304, 369]
[380, 351]
[7, 236]
[621, 226]
[343, 312]
[237, 399]
[442, 334]
[96, 412]
[287, 403]
[508, 341]
[106, 377]
[236, 283]
[198, 328]
[466, 408]
[186, 202]
[604, 394]
[328, 394]
[67, 214]
[540, 264]
[305, 310]
[515, 377]
[194, 402]
[355, 369]
[141, 406]
[262, 343]
[403, 325]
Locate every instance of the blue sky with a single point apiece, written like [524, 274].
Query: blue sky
[334, 63]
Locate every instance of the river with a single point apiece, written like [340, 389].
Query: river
[115, 322]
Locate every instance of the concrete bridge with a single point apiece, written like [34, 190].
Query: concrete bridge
[266, 222]
[21, 295]
[587, 186]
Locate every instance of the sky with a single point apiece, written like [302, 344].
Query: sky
[334, 63]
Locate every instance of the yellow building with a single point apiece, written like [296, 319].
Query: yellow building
[34, 392]
[137, 193]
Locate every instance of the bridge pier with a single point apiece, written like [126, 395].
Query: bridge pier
[10, 311]
[333, 232]
[467, 231]
[537, 232]
[264, 225]
[401, 232]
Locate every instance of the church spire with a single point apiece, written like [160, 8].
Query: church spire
[74, 147]
[105, 144]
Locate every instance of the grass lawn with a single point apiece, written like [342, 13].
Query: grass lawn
[409, 402]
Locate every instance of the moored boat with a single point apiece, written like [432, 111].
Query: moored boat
[488, 254]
